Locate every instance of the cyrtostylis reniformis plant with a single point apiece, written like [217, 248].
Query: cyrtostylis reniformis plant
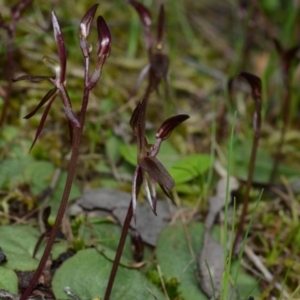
[158, 66]
[76, 123]
[149, 171]
[286, 59]
[255, 84]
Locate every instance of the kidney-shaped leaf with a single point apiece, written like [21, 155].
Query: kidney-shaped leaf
[8, 280]
[18, 244]
[87, 273]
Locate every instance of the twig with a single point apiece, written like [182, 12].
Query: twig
[266, 273]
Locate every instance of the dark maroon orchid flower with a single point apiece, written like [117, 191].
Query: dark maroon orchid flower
[149, 168]
[103, 44]
[158, 61]
[58, 81]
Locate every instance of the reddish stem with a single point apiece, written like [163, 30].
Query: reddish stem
[66, 193]
[120, 248]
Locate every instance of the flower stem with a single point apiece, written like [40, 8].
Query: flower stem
[119, 252]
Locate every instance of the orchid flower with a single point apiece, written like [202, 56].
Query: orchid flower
[149, 169]
[158, 61]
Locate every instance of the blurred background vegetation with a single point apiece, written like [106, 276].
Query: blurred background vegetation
[208, 42]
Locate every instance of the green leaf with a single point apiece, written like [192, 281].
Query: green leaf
[8, 280]
[175, 259]
[87, 273]
[11, 171]
[129, 153]
[39, 175]
[18, 242]
[112, 148]
[105, 237]
[190, 167]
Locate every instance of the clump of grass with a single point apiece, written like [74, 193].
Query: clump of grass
[287, 56]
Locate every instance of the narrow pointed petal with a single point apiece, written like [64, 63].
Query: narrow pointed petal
[71, 116]
[138, 123]
[157, 171]
[153, 194]
[167, 193]
[42, 102]
[148, 193]
[160, 28]
[62, 54]
[35, 79]
[168, 126]
[143, 12]
[42, 122]
[136, 185]
[104, 38]
[145, 17]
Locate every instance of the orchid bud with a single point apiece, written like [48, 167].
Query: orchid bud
[104, 38]
[86, 21]
[168, 125]
[62, 54]
[254, 82]
[84, 29]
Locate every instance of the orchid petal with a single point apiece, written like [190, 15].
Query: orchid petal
[138, 123]
[153, 194]
[167, 193]
[168, 126]
[148, 193]
[157, 171]
[136, 185]
[145, 17]
[160, 28]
